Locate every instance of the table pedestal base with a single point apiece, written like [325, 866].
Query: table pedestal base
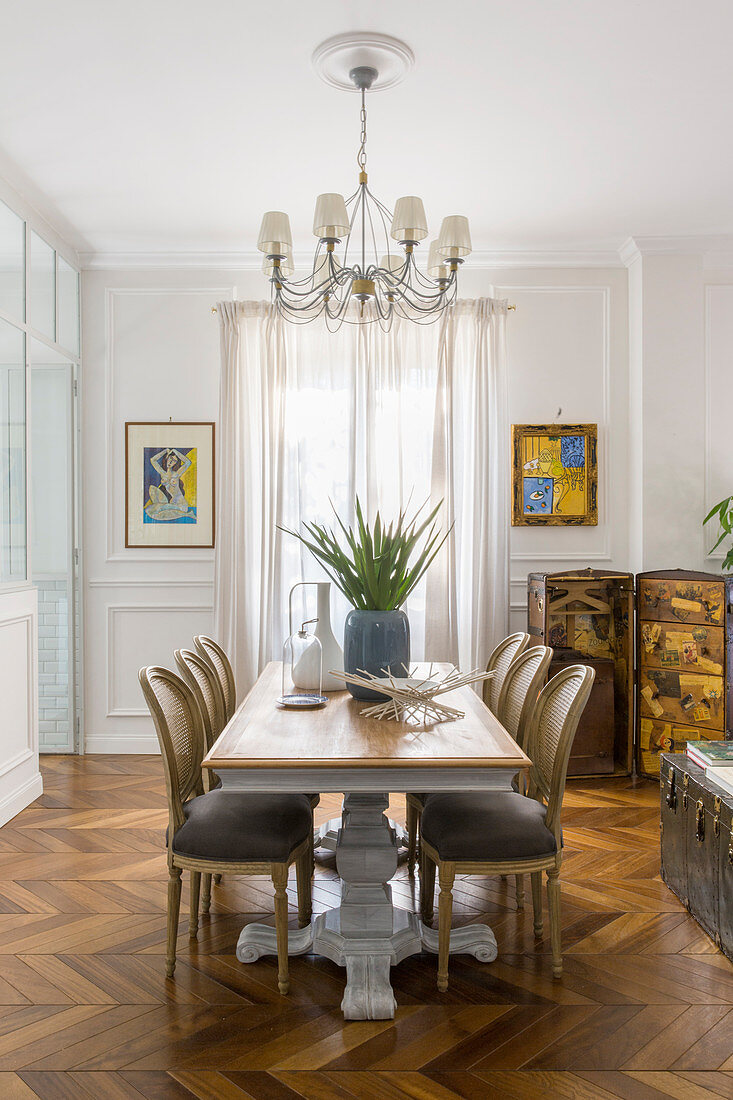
[368, 994]
[366, 934]
[326, 835]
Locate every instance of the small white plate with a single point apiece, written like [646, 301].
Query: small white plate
[302, 701]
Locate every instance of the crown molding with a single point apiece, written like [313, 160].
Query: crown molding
[551, 257]
[218, 261]
[716, 250]
[252, 261]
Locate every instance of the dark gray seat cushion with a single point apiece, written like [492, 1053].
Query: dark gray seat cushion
[227, 826]
[486, 826]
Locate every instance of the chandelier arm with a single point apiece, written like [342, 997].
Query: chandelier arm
[377, 202]
[374, 235]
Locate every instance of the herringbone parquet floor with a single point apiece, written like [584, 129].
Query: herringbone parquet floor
[645, 1009]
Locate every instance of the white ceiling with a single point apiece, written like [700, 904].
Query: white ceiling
[171, 125]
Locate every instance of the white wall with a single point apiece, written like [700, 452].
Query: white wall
[717, 390]
[152, 352]
[681, 370]
[567, 359]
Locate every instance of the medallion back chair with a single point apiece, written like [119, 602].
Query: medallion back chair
[204, 683]
[507, 832]
[212, 652]
[236, 833]
[208, 672]
[499, 662]
[523, 682]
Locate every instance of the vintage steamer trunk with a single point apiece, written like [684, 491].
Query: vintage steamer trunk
[682, 623]
[588, 616]
[697, 845]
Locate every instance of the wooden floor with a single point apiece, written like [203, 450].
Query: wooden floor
[645, 1008]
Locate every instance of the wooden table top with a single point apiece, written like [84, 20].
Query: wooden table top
[263, 735]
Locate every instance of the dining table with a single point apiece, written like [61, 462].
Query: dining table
[336, 748]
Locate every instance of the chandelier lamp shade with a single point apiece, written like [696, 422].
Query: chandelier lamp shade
[365, 267]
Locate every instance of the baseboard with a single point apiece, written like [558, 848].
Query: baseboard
[20, 798]
[137, 746]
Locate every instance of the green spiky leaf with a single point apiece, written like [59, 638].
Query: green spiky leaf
[376, 567]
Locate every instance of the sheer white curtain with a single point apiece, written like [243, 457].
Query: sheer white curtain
[309, 417]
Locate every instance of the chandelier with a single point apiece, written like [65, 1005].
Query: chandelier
[364, 266]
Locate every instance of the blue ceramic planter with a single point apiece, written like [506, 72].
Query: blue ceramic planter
[373, 641]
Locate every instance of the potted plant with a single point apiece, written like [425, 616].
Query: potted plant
[376, 568]
[724, 512]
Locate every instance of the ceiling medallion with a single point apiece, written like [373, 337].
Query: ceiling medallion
[364, 268]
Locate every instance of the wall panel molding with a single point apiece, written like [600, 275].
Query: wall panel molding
[20, 777]
[112, 612]
[148, 582]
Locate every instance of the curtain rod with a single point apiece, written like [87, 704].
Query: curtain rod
[213, 308]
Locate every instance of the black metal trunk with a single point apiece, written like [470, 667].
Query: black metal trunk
[697, 845]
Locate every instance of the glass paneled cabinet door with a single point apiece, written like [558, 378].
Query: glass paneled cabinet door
[54, 366]
[39, 431]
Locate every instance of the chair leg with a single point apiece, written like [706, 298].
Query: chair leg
[427, 886]
[174, 905]
[446, 877]
[536, 878]
[304, 881]
[411, 822]
[205, 893]
[553, 902]
[280, 881]
[519, 891]
[193, 920]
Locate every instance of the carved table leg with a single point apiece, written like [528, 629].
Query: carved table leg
[366, 934]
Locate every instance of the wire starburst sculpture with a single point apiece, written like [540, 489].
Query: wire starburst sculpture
[411, 698]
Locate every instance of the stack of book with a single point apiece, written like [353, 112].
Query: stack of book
[716, 757]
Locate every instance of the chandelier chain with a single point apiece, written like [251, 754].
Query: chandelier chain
[361, 155]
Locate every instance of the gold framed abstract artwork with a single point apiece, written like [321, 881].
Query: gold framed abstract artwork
[555, 475]
[169, 485]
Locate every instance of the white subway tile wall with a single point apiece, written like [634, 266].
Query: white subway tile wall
[53, 664]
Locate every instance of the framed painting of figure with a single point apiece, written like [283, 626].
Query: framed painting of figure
[555, 475]
[169, 485]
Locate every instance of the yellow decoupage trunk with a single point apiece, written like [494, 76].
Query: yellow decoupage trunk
[684, 635]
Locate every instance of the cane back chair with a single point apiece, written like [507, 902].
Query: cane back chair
[203, 680]
[507, 832]
[526, 677]
[213, 653]
[236, 833]
[499, 663]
